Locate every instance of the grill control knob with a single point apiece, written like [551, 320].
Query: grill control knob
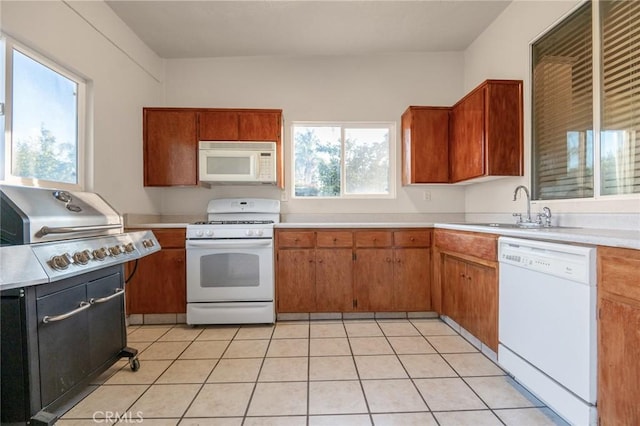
[100, 254]
[82, 257]
[115, 250]
[128, 248]
[60, 262]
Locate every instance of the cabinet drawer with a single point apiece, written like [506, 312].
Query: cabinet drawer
[170, 238]
[374, 239]
[334, 239]
[483, 246]
[412, 238]
[296, 239]
[618, 272]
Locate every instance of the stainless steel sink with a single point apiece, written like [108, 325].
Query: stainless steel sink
[524, 225]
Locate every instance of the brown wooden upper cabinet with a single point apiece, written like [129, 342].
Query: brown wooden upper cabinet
[481, 135]
[171, 138]
[425, 145]
[487, 132]
[170, 147]
[241, 125]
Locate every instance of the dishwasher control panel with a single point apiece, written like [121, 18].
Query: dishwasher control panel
[561, 260]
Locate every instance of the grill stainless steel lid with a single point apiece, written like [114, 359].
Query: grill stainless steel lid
[48, 234]
[35, 215]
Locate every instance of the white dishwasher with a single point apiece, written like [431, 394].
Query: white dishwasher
[547, 323]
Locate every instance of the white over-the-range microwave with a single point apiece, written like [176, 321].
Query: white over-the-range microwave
[237, 162]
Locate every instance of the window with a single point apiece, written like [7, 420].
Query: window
[563, 110]
[584, 145]
[343, 159]
[43, 141]
[620, 132]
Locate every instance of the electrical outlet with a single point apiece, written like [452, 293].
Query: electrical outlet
[284, 195]
[426, 195]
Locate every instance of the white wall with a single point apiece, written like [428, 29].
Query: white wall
[365, 88]
[123, 74]
[502, 51]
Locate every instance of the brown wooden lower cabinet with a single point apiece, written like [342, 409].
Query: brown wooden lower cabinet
[334, 280]
[468, 282]
[344, 270]
[159, 283]
[296, 274]
[618, 336]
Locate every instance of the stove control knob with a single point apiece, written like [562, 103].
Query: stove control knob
[82, 257]
[128, 248]
[199, 233]
[259, 232]
[249, 232]
[115, 250]
[209, 233]
[60, 262]
[100, 254]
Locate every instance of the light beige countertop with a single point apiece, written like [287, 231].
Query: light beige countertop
[158, 225]
[591, 236]
[352, 225]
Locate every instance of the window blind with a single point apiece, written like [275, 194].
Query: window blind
[562, 98]
[620, 133]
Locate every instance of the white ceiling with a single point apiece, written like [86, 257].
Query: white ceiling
[216, 28]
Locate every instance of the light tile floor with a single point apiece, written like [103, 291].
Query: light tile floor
[352, 372]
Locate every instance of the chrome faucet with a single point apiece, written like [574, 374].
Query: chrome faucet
[526, 192]
[545, 216]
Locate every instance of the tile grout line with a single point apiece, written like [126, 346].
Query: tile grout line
[204, 383]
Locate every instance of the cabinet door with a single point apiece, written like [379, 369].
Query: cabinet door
[453, 275]
[219, 126]
[106, 319]
[170, 148]
[618, 366]
[412, 283]
[467, 142]
[504, 129]
[296, 280]
[374, 279]
[63, 346]
[425, 145]
[159, 284]
[259, 126]
[334, 280]
[481, 294]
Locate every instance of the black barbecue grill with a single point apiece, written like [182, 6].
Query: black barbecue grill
[62, 287]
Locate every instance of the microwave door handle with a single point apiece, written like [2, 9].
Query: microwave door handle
[229, 243]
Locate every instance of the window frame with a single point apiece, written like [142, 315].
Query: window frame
[8, 45]
[390, 125]
[597, 105]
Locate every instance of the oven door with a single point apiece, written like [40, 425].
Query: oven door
[230, 270]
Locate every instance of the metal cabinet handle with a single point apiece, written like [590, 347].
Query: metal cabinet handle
[118, 292]
[83, 306]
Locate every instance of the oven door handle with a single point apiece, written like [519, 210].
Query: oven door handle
[229, 243]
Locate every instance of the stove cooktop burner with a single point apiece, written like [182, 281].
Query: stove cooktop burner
[236, 222]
